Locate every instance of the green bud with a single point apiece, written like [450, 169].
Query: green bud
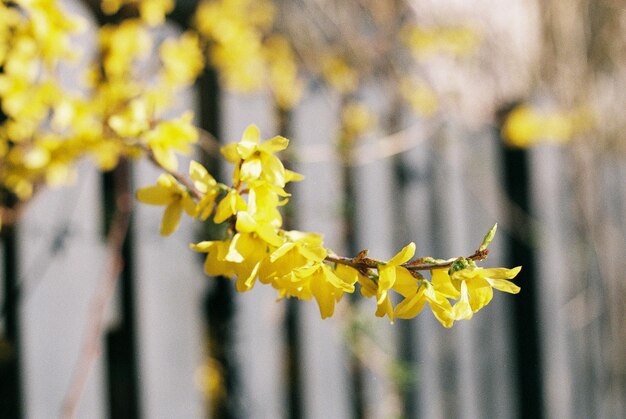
[458, 265]
[488, 237]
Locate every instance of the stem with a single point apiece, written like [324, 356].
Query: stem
[91, 345]
[180, 178]
[364, 264]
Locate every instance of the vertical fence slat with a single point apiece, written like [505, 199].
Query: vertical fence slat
[259, 337]
[487, 366]
[451, 240]
[170, 285]
[492, 345]
[375, 224]
[318, 198]
[548, 191]
[419, 216]
[62, 256]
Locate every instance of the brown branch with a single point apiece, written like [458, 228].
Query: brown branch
[91, 345]
[422, 264]
[180, 178]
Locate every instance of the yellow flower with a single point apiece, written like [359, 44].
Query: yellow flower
[420, 96]
[229, 206]
[174, 196]
[357, 119]
[247, 252]
[153, 11]
[132, 121]
[257, 159]
[338, 74]
[215, 263]
[351, 275]
[475, 287]
[168, 136]
[122, 45]
[254, 223]
[205, 184]
[182, 58]
[324, 285]
[412, 305]
[298, 250]
[392, 275]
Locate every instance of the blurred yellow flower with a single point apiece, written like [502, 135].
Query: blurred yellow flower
[526, 126]
[173, 196]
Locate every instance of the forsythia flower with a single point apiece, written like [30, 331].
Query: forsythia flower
[206, 185]
[182, 59]
[168, 136]
[257, 158]
[174, 196]
[526, 126]
[339, 74]
[229, 206]
[475, 287]
[392, 275]
[412, 305]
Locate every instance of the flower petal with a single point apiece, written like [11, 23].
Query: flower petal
[403, 255]
[171, 218]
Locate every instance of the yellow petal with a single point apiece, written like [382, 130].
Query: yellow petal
[385, 308]
[503, 285]
[171, 218]
[233, 254]
[411, 306]
[480, 293]
[251, 169]
[273, 169]
[386, 278]
[230, 153]
[203, 246]
[501, 273]
[403, 255]
[292, 176]
[249, 142]
[462, 309]
[406, 284]
[154, 195]
[165, 158]
[281, 251]
[275, 144]
[443, 284]
[245, 222]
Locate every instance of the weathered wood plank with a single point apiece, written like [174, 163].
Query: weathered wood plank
[63, 262]
[170, 286]
[325, 368]
[549, 196]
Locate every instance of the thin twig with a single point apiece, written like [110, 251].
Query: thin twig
[91, 345]
[364, 264]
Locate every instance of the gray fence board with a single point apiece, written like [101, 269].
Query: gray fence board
[59, 275]
[376, 226]
[169, 287]
[549, 192]
[318, 209]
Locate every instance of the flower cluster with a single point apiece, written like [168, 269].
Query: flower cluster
[297, 264]
[246, 52]
[114, 111]
[118, 113]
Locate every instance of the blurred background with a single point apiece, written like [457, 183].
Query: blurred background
[422, 121]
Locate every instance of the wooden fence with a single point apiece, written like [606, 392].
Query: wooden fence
[553, 351]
